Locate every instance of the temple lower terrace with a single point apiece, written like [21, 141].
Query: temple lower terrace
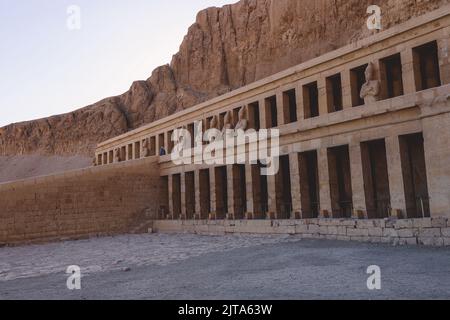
[364, 155]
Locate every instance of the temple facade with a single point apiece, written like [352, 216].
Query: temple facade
[364, 133]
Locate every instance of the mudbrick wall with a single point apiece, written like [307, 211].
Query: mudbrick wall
[426, 232]
[116, 199]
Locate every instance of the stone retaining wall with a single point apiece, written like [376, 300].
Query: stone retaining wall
[428, 232]
[115, 199]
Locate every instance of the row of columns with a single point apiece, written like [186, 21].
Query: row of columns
[252, 201]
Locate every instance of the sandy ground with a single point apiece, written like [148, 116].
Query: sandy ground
[228, 267]
[21, 167]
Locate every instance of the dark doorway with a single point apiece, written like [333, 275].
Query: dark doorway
[311, 100]
[376, 179]
[340, 182]
[415, 176]
[205, 194]
[309, 184]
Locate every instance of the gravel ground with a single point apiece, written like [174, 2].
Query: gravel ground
[227, 267]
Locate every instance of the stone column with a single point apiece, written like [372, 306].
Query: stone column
[437, 154]
[300, 102]
[272, 196]
[198, 210]
[444, 57]
[231, 192]
[262, 114]
[346, 89]
[323, 104]
[280, 108]
[249, 191]
[295, 186]
[356, 169]
[398, 200]
[183, 195]
[324, 184]
[409, 81]
[170, 197]
[212, 184]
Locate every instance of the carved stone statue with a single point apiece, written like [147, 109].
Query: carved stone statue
[243, 122]
[117, 155]
[214, 124]
[227, 122]
[146, 148]
[371, 88]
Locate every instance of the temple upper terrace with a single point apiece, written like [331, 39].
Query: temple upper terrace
[320, 92]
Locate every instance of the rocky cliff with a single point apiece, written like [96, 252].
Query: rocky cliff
[224, 49]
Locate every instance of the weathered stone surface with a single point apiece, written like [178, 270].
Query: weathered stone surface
[357, 232]
[375, 232]
[430, 232]
[439, 222]
[446, 232]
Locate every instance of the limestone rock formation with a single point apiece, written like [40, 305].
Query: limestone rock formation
[224, 49]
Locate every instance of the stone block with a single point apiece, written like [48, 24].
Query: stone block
[343, 238]
[301, 229]
[375, 232]
[313, 229]
[333, 230]
[430, 232]
[407, 233]
[439, 222]
[446, 232]
[431, 241]
[408, 241]
[323, 230]
[404, 224]
[353, 232]
[447, 242]
[422, 223]
[365, 224]
[390, 233]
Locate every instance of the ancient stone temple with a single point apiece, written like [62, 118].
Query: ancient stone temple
[364, 134]
[364, 147]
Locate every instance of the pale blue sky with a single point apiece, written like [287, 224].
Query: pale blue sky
[47, 69]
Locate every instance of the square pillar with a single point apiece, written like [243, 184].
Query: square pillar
[198, 210]
[437, 154]
[183, 195]
[323, 99]
[347, 102]
[280, 108]
[212, 184]
[295, 186]
[231, 191]
[444, 58]
[170, 216]
[356, 169]
[262, 114]
[396, 184]
[324, 184]
[272, 196]
[249, 191]
[300, 103]
[409, 81]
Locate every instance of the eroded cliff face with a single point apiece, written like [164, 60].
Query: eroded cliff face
[224, 49]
